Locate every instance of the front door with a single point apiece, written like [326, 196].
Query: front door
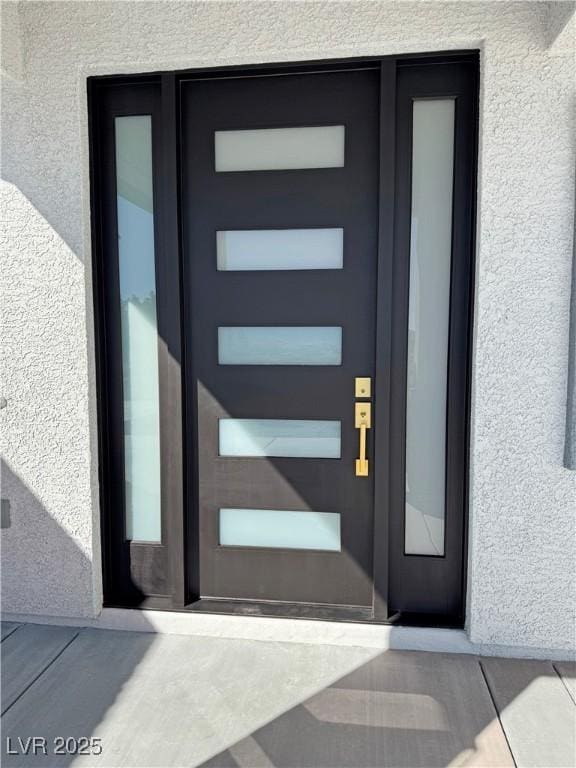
[283, 264]
[280, 245]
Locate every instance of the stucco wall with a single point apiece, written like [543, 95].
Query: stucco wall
[522, 529]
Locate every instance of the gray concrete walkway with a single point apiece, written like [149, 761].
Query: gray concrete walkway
[166, 700]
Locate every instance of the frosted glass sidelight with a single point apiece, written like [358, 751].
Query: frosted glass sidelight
[268, 249]
[428, 317]
[280, 438]
[138, 327]
[274, 149]
[280, 346]
[280, 528]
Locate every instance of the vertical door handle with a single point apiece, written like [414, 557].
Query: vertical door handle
[362, 420]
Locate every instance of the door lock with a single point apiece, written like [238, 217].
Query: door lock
[362, 386]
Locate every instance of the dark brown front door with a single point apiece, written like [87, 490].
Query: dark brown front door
[280, 224]
[264, 238]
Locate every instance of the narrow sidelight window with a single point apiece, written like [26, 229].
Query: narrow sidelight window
[429, 304]
[136, 268]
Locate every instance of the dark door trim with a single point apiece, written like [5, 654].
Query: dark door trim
[155, 576]
[134, 573]
[442, 577]
[382, 437]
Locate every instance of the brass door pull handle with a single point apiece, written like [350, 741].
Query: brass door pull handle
[362, 420]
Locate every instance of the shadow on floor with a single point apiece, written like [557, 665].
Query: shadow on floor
[159, 700]
[400, 709]
[167, 700]
[34, 655]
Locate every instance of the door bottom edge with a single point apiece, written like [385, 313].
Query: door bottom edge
[317, 612]
[280, 609]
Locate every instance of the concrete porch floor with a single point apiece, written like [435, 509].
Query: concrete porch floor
[168, 700]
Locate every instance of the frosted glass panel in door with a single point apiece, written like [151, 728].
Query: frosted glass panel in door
[272, 149]
[138, 326]
[280, 438]
[269, 249]
[287, 529]
[293, 345]
[429, 303]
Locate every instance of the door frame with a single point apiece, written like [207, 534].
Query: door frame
[165, 582]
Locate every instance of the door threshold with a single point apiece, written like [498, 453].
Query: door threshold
[269, 609]
[354, 614]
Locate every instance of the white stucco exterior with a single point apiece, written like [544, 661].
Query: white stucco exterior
[522, 574]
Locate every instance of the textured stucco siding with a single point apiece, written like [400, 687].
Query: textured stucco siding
[522, 580]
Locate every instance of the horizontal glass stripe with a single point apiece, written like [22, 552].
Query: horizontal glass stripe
[275, 249]
[279, 438]
[271, 149]
[280, 346]
[280, 528]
